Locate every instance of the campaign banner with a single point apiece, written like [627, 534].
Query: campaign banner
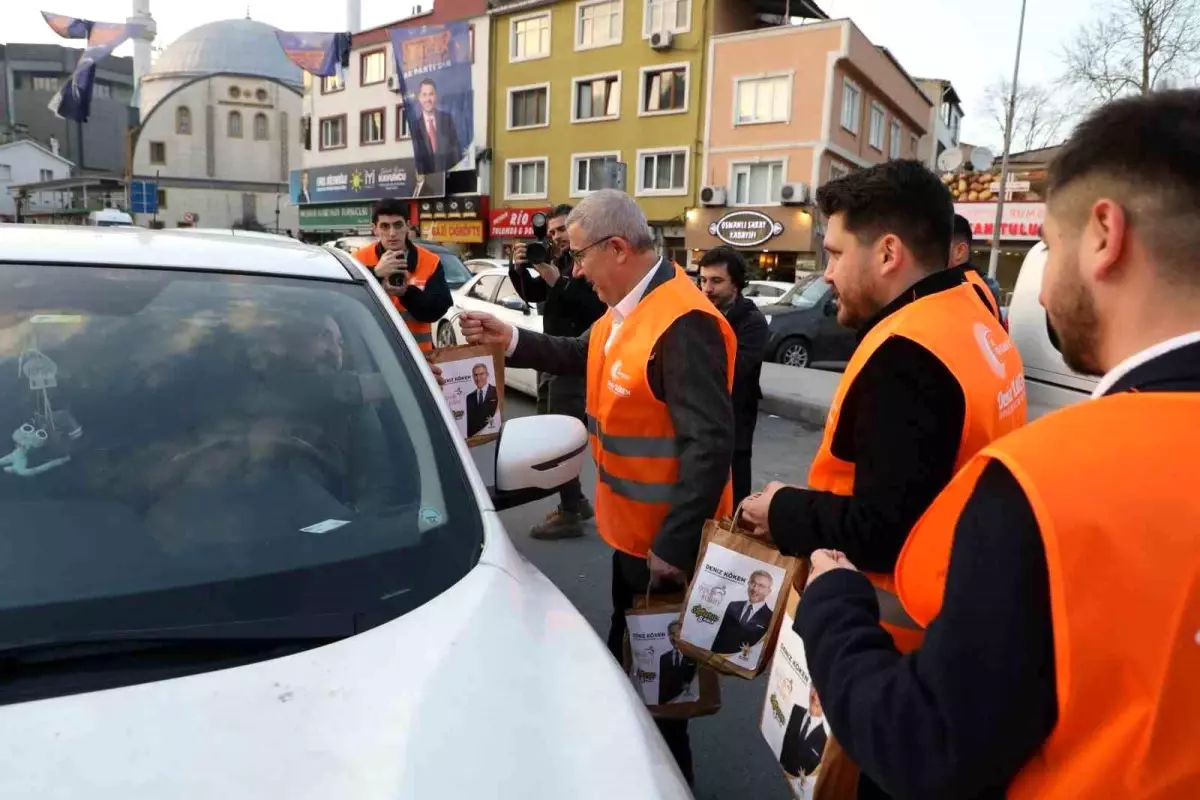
[73, 100]
[320, 54]
[433, 64]
[372, 180]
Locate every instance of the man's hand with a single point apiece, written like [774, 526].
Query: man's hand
[482, 328]
[826, 561]
[550, 273]
[757, 507]
[437, 373]
[661, 572]
[393, 262]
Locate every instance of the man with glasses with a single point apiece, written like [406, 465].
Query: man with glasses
[659, 370]
[411, 275]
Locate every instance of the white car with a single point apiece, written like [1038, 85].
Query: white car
[766, 293]
[492, 291]
[349, 244]
[478, 265]
[246, 552]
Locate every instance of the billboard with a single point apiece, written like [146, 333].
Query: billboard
[433, 63]
[371, 180]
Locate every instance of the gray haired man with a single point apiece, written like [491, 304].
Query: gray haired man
[658, 367]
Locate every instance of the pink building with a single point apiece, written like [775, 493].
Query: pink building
[788, 108]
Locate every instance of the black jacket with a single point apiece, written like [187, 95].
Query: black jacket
[571, 304]
[750, 327]
[479, 414]
[672, 679]
[733, 635]
[801, 751]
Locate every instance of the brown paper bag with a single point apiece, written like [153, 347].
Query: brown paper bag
[654, 665]
[735, 601]
[813, 763]
[477, 423]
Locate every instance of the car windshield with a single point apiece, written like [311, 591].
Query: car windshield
[194, 451]
[806, 294]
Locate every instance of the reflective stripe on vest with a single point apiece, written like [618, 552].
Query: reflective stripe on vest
[630, 430]
[1123, 558]
[957, 328]
[427, 264]
[983, 290]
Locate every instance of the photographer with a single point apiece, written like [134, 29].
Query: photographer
[571, 306]
[411, 275]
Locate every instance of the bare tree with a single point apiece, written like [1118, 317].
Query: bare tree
[1037, 121]
[1136, 47]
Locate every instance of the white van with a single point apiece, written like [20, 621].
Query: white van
[1048, 377]
[109, 218]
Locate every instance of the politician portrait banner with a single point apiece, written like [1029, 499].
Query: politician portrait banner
[371, 180]
[433, 63]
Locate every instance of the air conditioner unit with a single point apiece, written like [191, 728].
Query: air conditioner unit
[712, 196]
[793, 194]
[661, 40]
[393, 83]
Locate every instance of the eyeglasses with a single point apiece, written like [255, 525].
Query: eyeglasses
[577, 255]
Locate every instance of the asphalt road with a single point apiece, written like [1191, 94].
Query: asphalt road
[731, 758]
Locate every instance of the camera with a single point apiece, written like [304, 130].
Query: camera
[538, 251]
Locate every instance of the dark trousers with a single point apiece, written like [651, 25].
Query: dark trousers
[629, 579]
[561, 396]
[741, 475]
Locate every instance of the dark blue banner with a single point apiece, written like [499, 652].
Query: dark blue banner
[74, 100]
[320, 54]
[373, 180]
[434, 66]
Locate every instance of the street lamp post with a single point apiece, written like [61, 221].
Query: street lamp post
[994, 260]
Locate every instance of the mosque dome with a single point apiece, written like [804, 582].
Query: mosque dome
[241, 46]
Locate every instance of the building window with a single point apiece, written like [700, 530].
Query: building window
[158, 153]
[5, 173]
[662, 172]
[851, 106]
[894, 141]
[372, 67]
[837, 170]
[45, 175]
[235, 124]
[529, 106]
[764, 100]
[525, 179]
[183, 121]
[597, 23]
[370, 127]
[102, 91]
[401, 124]
[261, 128]
[674, 16]
[333, 132]
[597, 97]
[757, 184]
[260, 95]
[664, 90]
[235, 93]
[529, 37]
[587, 171]
[45, 83]
[162, 199]
[332, 83]
[914, 145]
[875, 136]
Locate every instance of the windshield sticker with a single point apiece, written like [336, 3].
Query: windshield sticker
[326, 526]
[60, 318]
[431, 516]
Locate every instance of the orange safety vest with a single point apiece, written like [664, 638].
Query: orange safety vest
[957, 328]
[985, 291]
[632, 437]
[427, 264]
[1106, 481]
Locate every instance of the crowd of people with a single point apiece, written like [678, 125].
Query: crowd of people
[993, 608]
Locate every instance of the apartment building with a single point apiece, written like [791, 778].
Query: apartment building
[945, 119]
[358, 149]
[788, 108]
[588, 90]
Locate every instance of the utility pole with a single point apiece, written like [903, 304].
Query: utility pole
[994, 260]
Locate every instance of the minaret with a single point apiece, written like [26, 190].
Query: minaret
[353, 16]
[141, 44]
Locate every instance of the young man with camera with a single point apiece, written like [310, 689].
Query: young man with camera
[411, 275]
[571, 307]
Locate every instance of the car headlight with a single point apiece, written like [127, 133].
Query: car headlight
[768, 318]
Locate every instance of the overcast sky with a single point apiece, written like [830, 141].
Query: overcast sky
[970, 43]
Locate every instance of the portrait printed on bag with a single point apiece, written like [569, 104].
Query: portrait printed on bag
[731, 603]
[474, 391]
[658, 670]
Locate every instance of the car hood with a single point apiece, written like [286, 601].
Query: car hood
[497, 688]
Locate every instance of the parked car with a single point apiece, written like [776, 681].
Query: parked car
[349, 244]
[804, 329]
[478, 265]
[234, 232]
[766, 293]
[492, 291]
[247, 554]
[109, 218]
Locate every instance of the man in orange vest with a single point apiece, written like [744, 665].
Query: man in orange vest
[1059, 573]
[659, 367]
[411, 275]
[934, 379]
[960, 261]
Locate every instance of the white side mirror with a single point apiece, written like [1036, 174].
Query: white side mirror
[535, 456]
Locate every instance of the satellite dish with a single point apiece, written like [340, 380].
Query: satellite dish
[950, 160]
[982, 159]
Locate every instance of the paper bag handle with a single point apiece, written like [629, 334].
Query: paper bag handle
[734, 522]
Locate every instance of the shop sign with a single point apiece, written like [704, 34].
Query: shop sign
[455, 207]
[745, 228]
[469, 231]
[1021, 221]
[514, 223]
[333, 217]
[369, 180]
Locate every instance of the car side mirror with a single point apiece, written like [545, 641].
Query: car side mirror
[537, 456]
[514, 303]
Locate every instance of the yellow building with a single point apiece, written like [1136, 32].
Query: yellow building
[577, 84]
